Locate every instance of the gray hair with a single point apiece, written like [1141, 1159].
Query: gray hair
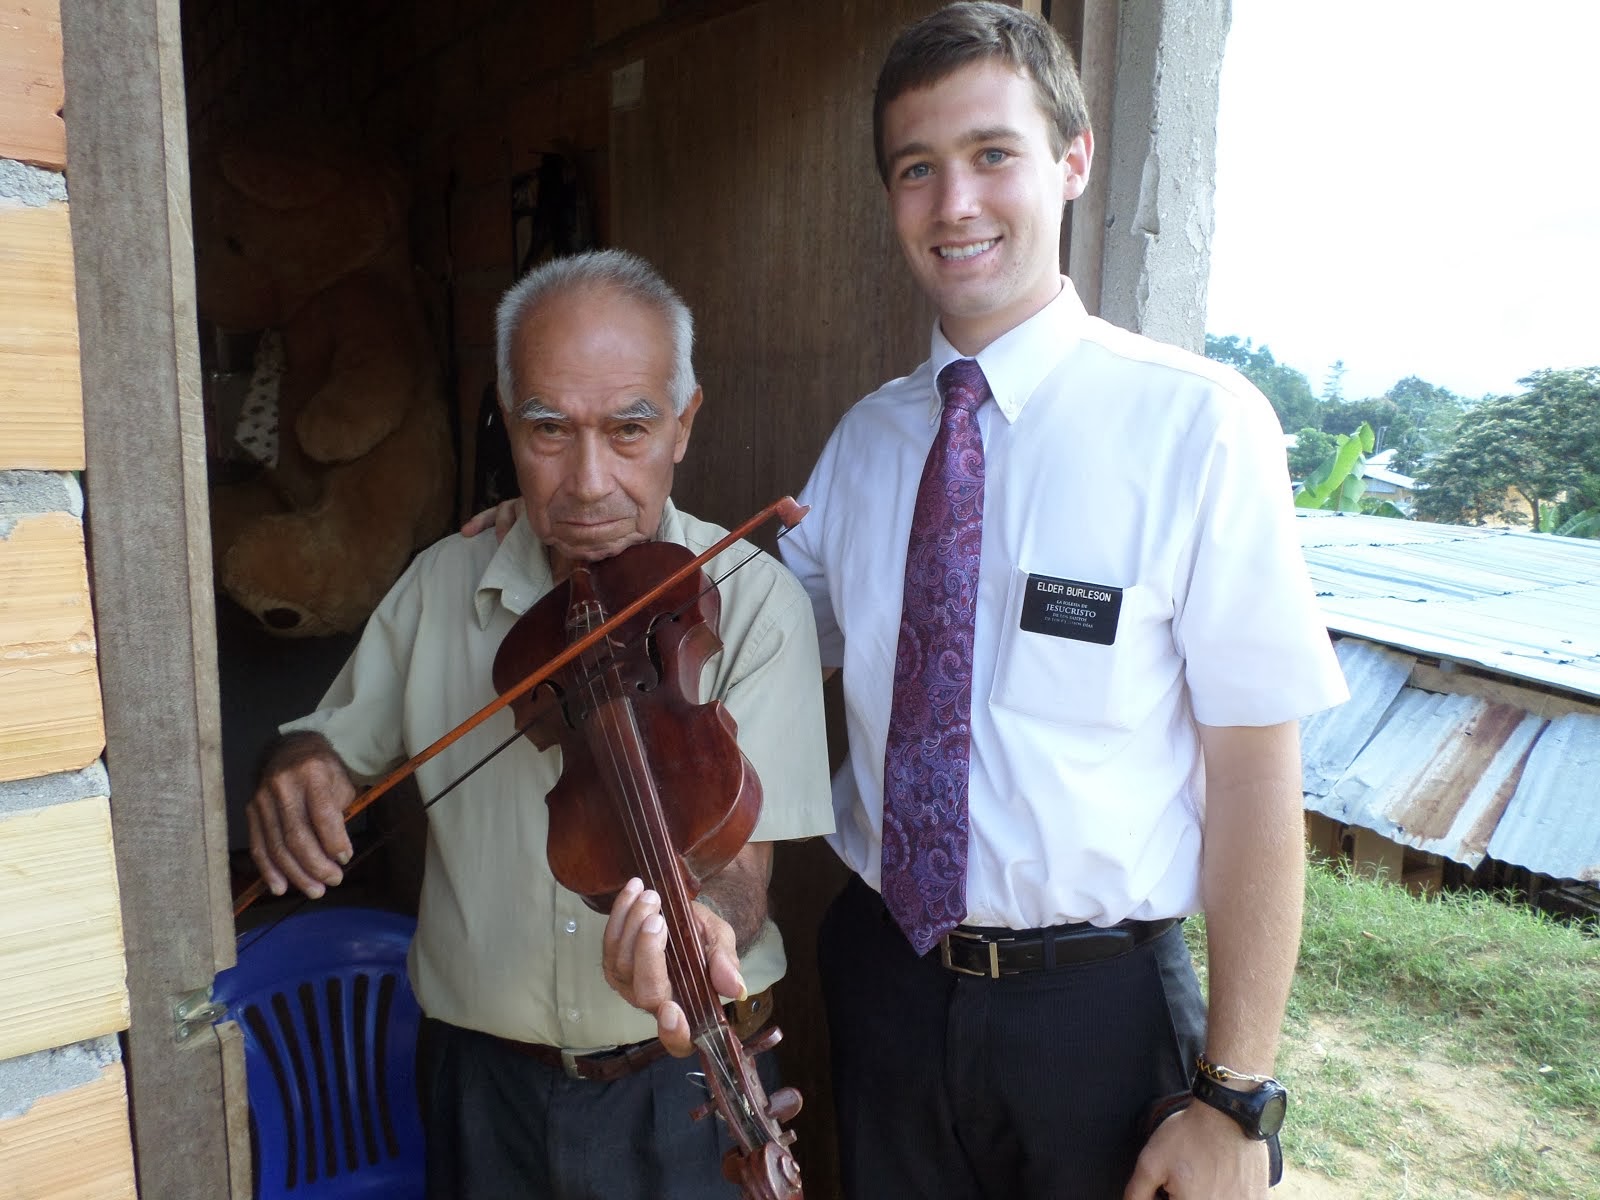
[617, 271]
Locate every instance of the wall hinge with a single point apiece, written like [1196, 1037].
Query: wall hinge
[193, 1011]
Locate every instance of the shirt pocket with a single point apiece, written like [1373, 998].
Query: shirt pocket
[1069, 682]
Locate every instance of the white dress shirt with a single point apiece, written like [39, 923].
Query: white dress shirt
[1146, 491]
[500, 945]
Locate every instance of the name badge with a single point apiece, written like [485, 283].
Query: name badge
[1066, 608]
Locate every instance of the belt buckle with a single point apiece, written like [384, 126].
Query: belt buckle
[570, 1064]
[994, 954]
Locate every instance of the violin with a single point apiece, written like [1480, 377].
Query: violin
[672, 849]
[653, 785]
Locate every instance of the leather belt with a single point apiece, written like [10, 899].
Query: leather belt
[991, 953]
[606, 1066]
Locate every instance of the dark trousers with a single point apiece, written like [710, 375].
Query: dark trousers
[952, 1087]
[501, 1126]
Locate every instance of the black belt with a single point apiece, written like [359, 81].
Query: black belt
[992, 953]
[604, 1067]
[745, 1016]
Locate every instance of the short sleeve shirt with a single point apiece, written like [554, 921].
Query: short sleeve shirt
[1140, 573]
[501, 946]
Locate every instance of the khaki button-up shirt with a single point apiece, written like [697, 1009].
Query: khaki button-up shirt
[500, 945]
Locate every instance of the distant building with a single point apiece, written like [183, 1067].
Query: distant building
[1386, 484]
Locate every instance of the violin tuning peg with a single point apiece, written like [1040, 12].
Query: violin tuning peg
[764, 1040]
[705, 1110]
[783, 1105]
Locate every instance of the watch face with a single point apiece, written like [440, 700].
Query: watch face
[1273, 1112]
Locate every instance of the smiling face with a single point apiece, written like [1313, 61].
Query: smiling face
[591, 424]
[977, 197]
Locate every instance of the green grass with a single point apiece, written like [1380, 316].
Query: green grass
[1484, 978]
[1503, 994]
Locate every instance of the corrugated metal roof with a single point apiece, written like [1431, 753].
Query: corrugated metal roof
[1519, 604]
[1455, 775]
[1555, 815]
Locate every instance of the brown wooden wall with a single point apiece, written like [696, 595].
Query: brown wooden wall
[748, 177]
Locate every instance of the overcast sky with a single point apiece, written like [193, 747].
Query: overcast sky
[1412, 186]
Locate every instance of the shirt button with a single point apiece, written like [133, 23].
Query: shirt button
[572, 927]
[573, 1014]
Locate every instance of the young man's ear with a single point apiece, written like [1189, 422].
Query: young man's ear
[1076, 160]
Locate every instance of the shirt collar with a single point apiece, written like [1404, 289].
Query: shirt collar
[519, 575]
[1017, 361]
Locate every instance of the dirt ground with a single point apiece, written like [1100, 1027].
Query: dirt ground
[1446, 1120]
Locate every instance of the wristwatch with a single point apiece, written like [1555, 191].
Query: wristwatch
[1259, 1112]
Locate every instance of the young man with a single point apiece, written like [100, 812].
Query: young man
[1139, 642]
[1056, 563]
[538, 1079]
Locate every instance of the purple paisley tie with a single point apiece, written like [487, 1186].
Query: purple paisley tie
[930, 722]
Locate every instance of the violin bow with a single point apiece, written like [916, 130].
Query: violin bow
[785, 509]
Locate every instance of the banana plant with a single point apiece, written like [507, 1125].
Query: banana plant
[1338, 484]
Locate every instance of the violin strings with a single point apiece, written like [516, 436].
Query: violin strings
[642, 811]
[688, 967]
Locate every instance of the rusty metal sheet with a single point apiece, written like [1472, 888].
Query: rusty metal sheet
[1437, 774]
[1552, 823]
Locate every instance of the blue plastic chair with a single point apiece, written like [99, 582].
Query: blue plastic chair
[330, 1037]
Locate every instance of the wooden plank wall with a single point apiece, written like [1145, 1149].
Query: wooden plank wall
[31, 92]
[62, 962]
[71, 1146]
[801, 302]
[41, 406]
[150, 546]
[49, 688]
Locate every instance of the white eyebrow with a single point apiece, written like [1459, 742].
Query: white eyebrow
[640, 410]
[534, 409]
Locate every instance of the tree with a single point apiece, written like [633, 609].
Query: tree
[1333, 384]
[1434, 414]
[1311, 448]
[1514, 456]
[1287, 390]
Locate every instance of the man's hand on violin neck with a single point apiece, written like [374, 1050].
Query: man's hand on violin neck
[296, 817]
[635, 960]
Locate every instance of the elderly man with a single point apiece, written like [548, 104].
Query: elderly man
[538, 1078]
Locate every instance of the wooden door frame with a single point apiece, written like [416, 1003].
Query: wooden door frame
[148, 524]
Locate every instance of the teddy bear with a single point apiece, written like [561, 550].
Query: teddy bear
[308, 244]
